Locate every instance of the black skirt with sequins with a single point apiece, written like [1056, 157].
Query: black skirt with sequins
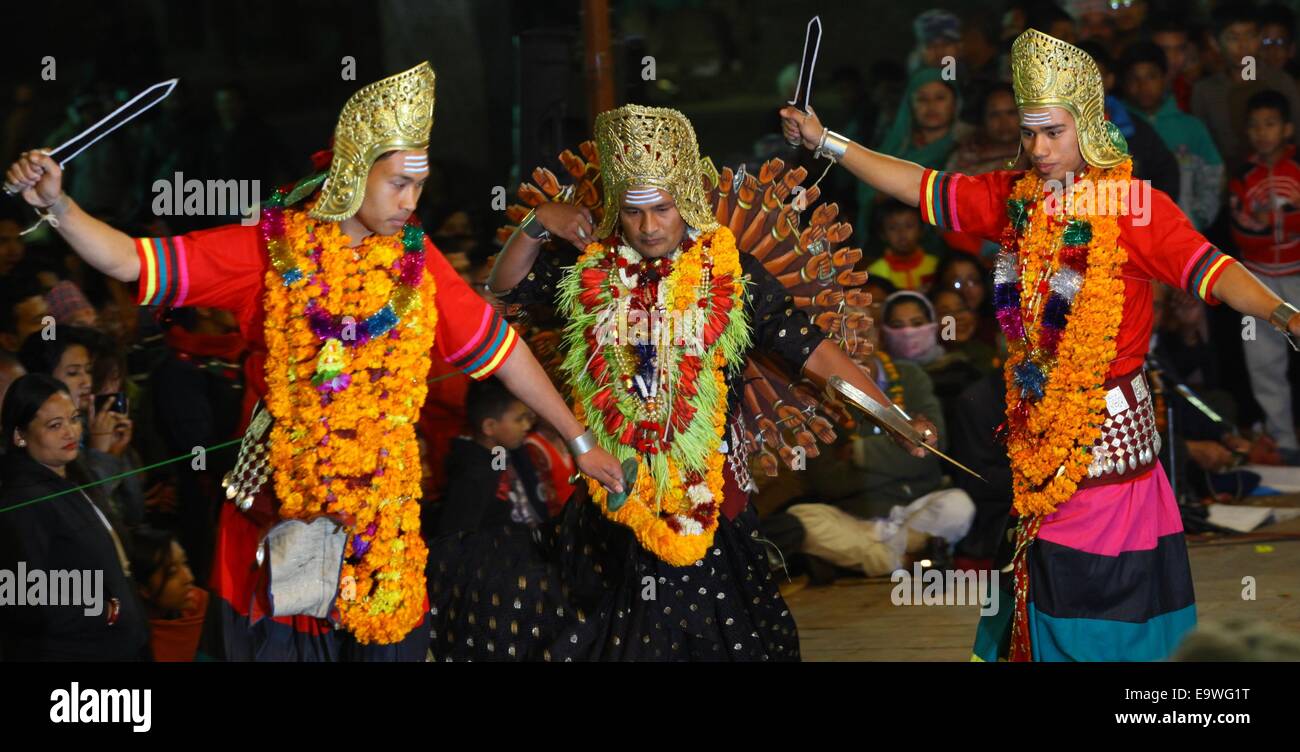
[491, 596]
[582, 589]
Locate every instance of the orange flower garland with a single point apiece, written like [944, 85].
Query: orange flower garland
[352, 454]
[1050, 452]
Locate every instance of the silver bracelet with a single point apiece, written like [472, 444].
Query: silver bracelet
[1282, 315]
[582, 443]
[533, 227]
[832, 145]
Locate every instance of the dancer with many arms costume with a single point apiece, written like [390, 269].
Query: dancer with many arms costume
[700, 324]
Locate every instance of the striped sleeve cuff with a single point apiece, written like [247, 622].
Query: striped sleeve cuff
[938, 199]
[1203, 270]
[491, 344]
[164, 273]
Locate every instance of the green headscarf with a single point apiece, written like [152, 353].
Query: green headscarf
[898, 141]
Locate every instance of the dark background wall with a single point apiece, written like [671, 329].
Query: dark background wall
[510, 74]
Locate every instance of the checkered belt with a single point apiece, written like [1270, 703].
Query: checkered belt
[1129, 444]
[253, 468]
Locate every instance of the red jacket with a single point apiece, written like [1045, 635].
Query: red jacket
[1264, 201]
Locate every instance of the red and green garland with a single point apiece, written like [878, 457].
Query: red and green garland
[648, 345]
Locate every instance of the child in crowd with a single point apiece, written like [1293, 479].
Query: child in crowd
[490, 482]
[1265, 205]
[905, 264]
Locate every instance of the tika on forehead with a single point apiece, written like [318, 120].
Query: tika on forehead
[641, 196]
[1036, 118]
[416, 163]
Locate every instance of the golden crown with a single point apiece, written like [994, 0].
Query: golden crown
[1046, 72]
[395, 114]
[643, 147]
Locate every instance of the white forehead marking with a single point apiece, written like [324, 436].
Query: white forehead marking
[641, 196]
[416, 163]
[1036, 118]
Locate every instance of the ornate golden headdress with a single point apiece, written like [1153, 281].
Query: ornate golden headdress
[393, 114]
[644, 147]
[1046, 72]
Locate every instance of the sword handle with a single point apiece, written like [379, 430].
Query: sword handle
[11, 191]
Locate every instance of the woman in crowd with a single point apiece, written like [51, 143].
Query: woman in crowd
[52, 526]
[70, 356]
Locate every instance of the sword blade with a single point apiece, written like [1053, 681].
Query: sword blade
[811, 44]
[1196, 402]
[132, 109]
[890, 418]
[951, 460]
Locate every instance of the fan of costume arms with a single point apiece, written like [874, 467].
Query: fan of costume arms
[781, 410]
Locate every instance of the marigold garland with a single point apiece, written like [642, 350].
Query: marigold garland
[345, 403]
[1049, 437]
[673, 508]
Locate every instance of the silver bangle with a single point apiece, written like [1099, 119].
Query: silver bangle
[832, 145]
[1282, 315]
[582, 443]
[533, 227]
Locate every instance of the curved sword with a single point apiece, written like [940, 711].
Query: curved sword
[890, 418]
[132, 109]
[811, 44]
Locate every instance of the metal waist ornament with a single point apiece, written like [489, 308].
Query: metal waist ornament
[1047, 72]
[395, 114]
[652, 147]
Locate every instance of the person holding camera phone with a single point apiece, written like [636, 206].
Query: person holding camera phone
[70, 357]
[112, 430]
[110, 424]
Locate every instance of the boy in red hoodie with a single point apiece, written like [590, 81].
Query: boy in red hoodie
[1264, 200]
